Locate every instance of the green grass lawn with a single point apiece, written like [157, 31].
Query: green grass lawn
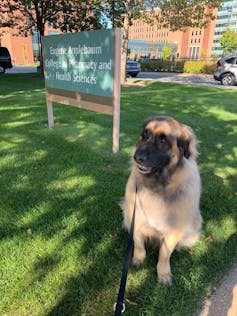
[61, 238]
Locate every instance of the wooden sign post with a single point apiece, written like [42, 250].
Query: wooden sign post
[83, 70]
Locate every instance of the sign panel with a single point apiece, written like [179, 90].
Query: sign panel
[83, 70]
[80, 62]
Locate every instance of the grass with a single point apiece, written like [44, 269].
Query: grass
[61, 240]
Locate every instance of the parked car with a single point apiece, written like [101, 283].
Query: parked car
[1, 70]
[132, 68]
[5, 58]
[226, 70]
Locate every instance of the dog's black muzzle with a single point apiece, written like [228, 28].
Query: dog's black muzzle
[141, 158]
[151, 160]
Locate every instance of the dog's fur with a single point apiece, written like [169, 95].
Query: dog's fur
[166, 175]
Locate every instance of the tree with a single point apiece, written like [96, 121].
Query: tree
[175, 15]
[68, 16]
[166, 52]
[123, 13]
[229, 41]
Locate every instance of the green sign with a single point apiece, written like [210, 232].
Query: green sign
[81, 62]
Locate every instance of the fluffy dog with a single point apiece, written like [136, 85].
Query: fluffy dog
[166, 177]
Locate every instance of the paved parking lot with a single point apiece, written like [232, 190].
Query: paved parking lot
[206, 80]
[21, 69]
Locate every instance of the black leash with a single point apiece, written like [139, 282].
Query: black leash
[119, 307]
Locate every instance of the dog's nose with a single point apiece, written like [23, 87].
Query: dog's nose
[140, 157]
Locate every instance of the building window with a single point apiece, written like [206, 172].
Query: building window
[193, 52]
[52, 33]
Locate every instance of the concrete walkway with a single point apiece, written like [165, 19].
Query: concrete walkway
[223, 301]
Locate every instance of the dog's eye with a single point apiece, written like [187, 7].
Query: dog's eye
[162, 138]
[146, 133]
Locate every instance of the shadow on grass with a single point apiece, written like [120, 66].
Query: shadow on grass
[55, 205]
[64, 184]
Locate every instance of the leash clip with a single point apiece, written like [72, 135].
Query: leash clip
[123, 309]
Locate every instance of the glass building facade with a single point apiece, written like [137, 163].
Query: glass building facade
[226, 19]
[36, 39]
[146, 49]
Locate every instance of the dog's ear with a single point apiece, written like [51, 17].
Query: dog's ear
[187, 142]
[183, 146]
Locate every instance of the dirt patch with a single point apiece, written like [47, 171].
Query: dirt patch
[135, 83]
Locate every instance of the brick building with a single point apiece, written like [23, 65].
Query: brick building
[191, 43]
[20, 47]
[144, 40]
[23, 50]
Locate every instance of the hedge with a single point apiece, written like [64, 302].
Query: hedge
[196, 67]
[162, 65]
[199, 67]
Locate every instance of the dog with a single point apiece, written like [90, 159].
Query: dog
[165, 187]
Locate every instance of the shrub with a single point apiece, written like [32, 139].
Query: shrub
[194, 66]
[162, 65]
[209, 68]
[179, 66]
[199, 67]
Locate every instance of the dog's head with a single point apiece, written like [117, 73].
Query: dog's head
[164, 144]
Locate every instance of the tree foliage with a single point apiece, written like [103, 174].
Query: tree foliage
[76, 15]
[68, 16]
[179, 14]
[166, 52]
[173, 14]
[229, 41]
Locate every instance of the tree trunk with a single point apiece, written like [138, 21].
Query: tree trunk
[124, 48]
[41, 66]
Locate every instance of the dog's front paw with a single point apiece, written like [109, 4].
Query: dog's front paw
[164, 274]
[138, 258]
[137, 261]
[139, 255]
[165, 278]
